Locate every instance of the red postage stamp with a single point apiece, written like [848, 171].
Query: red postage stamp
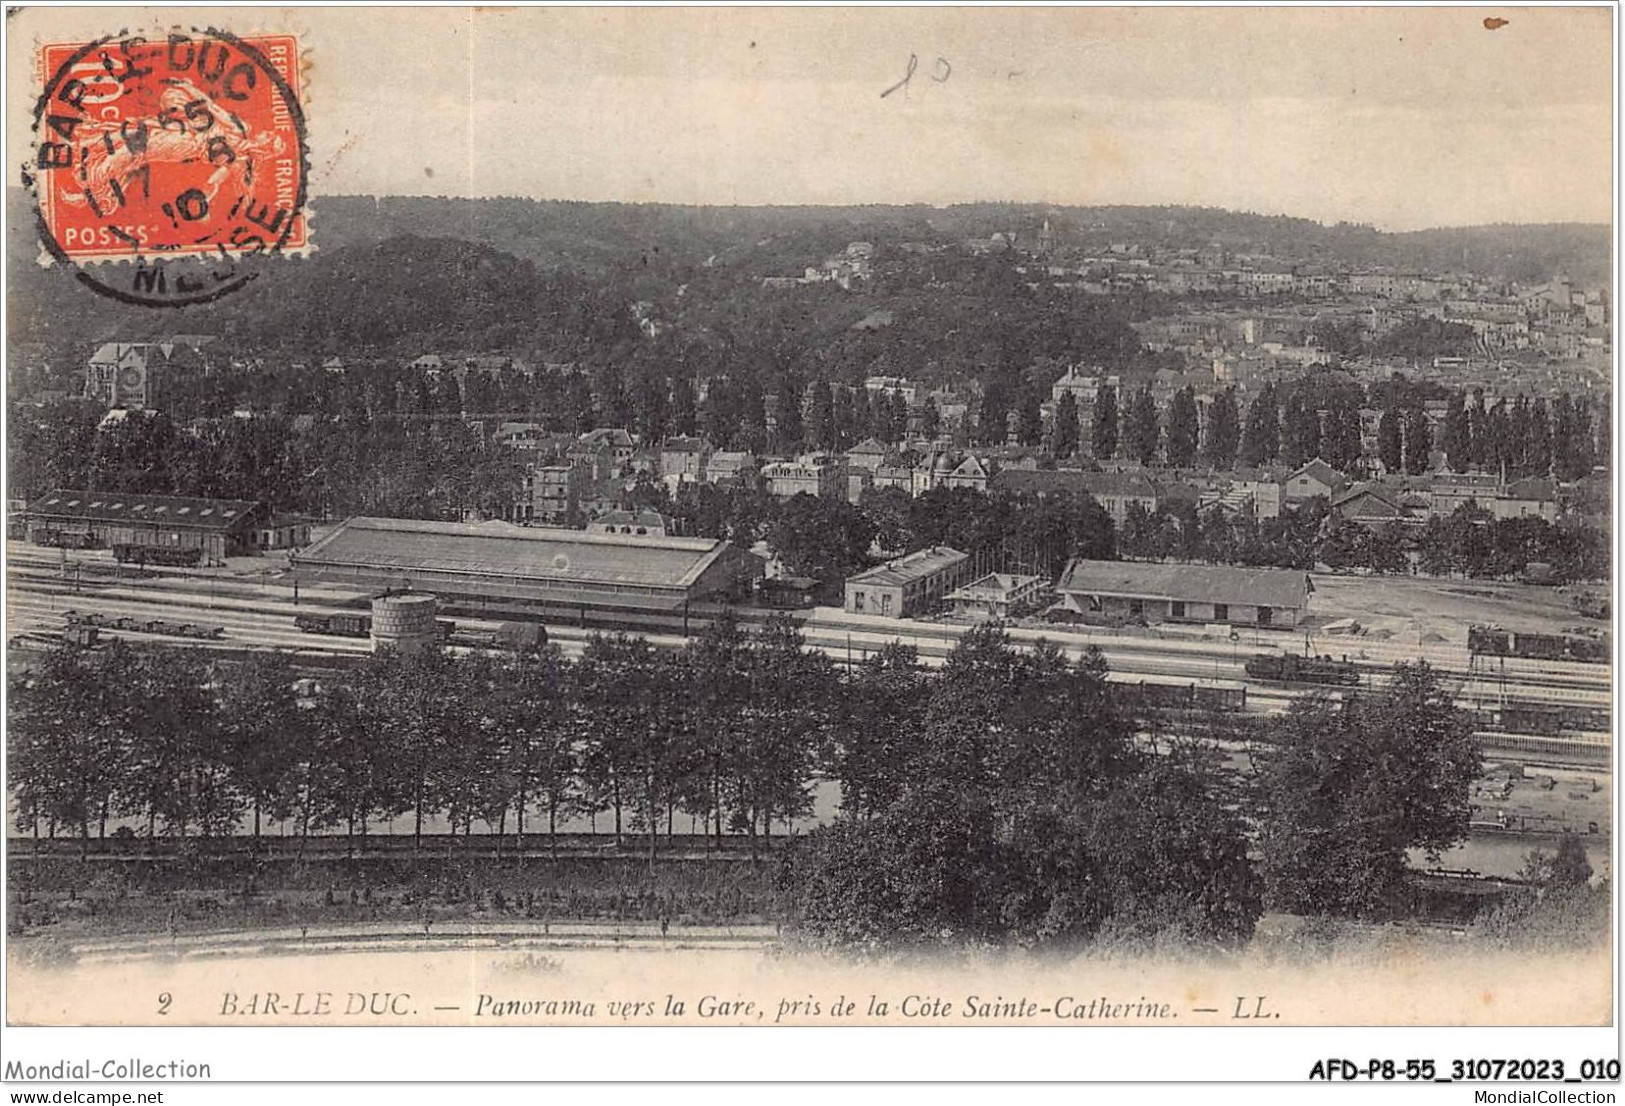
[183, 156]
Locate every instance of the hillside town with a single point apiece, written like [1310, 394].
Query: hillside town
[742, 517]
[1389, 400]
[704, 572]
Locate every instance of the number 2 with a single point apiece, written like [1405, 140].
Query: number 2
[164, 1000]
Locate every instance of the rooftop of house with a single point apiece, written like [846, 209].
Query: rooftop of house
[1532, 487]
[520, 430]
[120, 353]
[1385, 496]
[792, 465]
[995, 586]
[1039, 481]
[1128, 484]
[1321, 471]
[643, 516]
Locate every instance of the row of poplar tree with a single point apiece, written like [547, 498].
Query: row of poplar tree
[731, 730]
[1012, 795]
[1523, 437]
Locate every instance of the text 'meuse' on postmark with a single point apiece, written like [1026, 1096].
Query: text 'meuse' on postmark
[165, 165]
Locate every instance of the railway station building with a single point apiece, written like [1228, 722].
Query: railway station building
[909, 585]
[501, 562]
[157, 527]
[1126, 590]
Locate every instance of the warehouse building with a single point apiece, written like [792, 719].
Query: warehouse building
[502, 561]
[164, 529]
[283, 532]
[910, 585]
[1127, 590]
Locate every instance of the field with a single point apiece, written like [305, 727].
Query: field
[1409, 609]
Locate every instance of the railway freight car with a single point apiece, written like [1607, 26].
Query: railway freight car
[64, 539]
[1488, 641]
[127, 553]
[1543, 718]
[1493, 641]
[1185, 696]
[86, 637]
[343, 624]
[96, 620]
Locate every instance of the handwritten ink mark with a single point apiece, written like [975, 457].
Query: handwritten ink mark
[940, 72]
[913, 63]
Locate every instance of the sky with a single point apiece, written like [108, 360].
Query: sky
[1402, 118]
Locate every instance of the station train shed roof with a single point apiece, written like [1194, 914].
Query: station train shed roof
[498, 557]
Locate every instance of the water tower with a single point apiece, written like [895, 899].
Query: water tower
[404, 623]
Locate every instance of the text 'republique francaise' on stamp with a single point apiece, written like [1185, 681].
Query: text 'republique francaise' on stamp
[164, 168]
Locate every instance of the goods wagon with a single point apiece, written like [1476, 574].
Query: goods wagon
[1493, 641]
[1186, 696]
[1526, 718]
[343, 624]
[126, 553]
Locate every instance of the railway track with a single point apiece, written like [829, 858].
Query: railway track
[259, 615]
